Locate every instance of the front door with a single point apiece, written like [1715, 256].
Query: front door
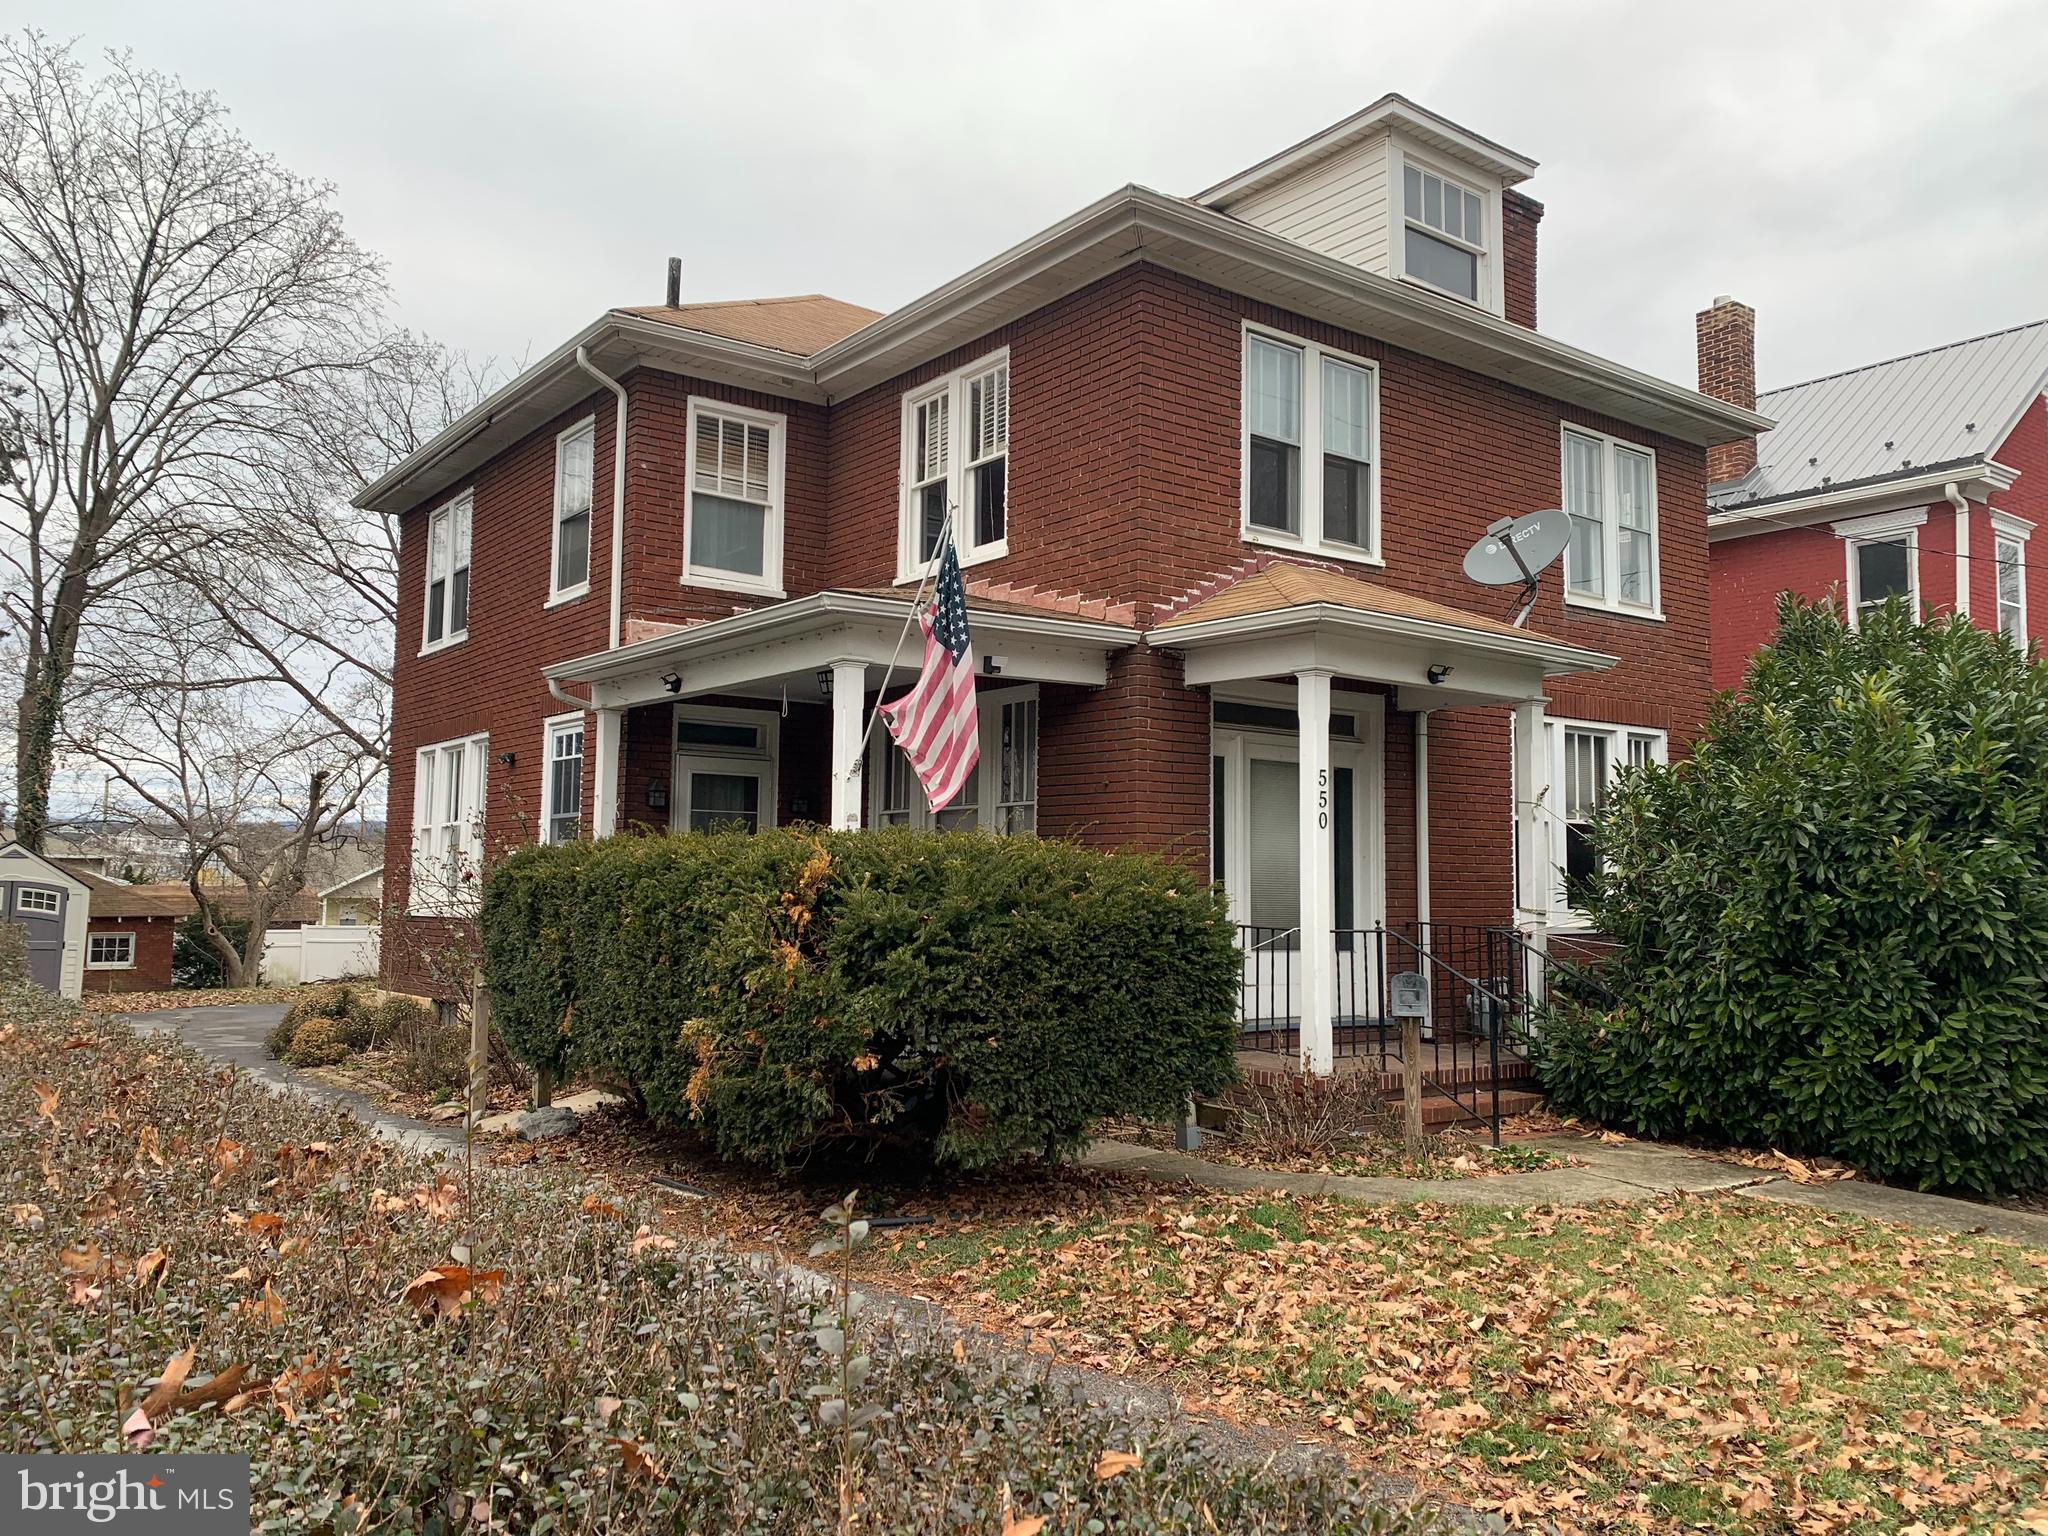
[714, 794]
[39, 910]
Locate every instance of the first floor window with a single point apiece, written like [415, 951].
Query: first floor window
[447, 829]
[1311, 425]
[2012, 592]
[1585, 757]
[733, 516]
[573, 452]
[956, 467]
[1017, 767]
[448, 573]
[564, 788]
[1001, 793]
[1610, 492]
[110, 951]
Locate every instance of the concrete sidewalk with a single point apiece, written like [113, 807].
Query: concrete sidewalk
[1633, 1170]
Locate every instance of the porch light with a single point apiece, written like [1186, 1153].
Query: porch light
[657, 795]
[672, 681]
[1438, 672]
[825, 681]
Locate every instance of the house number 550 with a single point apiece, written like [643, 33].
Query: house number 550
[1322, 799]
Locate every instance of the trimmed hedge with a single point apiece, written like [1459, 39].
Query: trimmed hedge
[970, 996]
[1834, 916]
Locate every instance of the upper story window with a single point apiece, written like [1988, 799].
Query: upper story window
[1882, 555]
[1311, 429]
[2009, 542]
[732, 514]
[1585, 756]
[956, 460]
[1610, 490]
[1444, 234]
[448, 574]
[562, 787]
[447, 825]
[574, 450]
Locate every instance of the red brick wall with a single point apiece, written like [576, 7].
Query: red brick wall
[1519, 216]
[154, 937]
[2025, 449]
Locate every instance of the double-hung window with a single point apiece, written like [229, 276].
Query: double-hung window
[574, 451]
[1585, 756]
[1444, 232]
[1882, 561]
[562, 787]
[1311, 428]
[956, 465]
[110, 951]
[732, 516]
[448, 573]
[2009, 547]
[1610, 490]
[1001, 792]
[447, 826]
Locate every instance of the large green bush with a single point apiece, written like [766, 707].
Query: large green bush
[974, 996]
[1834, 915]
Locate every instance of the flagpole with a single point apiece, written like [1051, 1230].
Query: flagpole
[938, 555]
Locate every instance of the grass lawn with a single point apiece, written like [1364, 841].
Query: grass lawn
[1691, 1364]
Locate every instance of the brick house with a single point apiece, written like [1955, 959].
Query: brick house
[130, 933]
[1923, 477]
[1214, 461]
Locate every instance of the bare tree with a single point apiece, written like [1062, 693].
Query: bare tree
[171, 290]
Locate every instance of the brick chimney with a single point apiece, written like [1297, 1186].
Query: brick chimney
[1519, 216]
[1727, 342]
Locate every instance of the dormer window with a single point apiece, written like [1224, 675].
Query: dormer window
[1445, 236]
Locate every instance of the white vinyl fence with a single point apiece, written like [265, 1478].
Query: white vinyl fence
[318, 952]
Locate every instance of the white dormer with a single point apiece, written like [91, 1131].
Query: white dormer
[1394, 189]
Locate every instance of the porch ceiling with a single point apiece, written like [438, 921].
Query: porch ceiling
[795, 638]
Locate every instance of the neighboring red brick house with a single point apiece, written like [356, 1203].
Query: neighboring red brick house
[1214, 461]
[130, 933]
[1884, 480]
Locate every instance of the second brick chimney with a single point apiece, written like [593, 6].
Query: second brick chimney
[1727, 341]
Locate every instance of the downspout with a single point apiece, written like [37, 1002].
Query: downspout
[1954, 493]
[583, 361]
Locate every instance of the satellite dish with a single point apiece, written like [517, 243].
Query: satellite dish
[1515, 550]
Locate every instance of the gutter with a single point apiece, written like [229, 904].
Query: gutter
[1907, 490]
[612, 635]
[1312, 615]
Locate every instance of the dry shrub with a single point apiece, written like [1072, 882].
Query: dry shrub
[318, 1042]
[1307, 1117]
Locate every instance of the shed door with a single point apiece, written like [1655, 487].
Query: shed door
[39, 909]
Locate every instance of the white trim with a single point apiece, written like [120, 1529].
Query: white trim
[954, 385]
[462, 847]
[23, 892]
[2010, 525]
[769, 582]
[550, 728]
[1390, 111]
[556, 595]
[2008, 532]
[1904, 492]
[453, 508]
[1879, 524]
[1560, 914]
[1491, 290]
[1309, 480]
[1885, 528]
[1607, 601]
[93, 937]
[764, 761]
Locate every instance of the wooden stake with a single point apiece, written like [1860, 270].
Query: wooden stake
[479, 1051]
[1411, 1081]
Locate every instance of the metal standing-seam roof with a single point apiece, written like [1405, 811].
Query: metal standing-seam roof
[1947, 405]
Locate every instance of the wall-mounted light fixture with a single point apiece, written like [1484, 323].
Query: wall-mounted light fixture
[672, 681]
[1438, 672]
[825, 681]
[508, 758]
[657, 795]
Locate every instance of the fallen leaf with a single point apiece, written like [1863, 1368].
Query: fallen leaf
[263, 1224]
[46, 1100]
[647, 1238]
[80, 1257]
[637, 1463]
[441, 1292]
[151, 1268]
[1115, 1464]
[269, 1305]
[594, 1206]
[29, 1214]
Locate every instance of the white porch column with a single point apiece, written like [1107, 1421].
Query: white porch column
[849, 699]
[1318, 876]
[604, 803]
[1533, 871]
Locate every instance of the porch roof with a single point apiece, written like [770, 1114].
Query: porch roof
[1284, 617]
[792, 639]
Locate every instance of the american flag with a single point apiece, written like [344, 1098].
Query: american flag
[935, 723]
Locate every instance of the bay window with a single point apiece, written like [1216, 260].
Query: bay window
[1311, 425]
[732, 508]
[1610, 493]
[956, 459]
[571, 558]
[562, 781]
[447, 615]
[1585, 756]
[447, 826]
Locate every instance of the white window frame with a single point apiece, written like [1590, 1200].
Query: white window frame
[987, 804]
[1310, 480]
[769, 582]
[764, 758]
[910, 566]
[1401, 154]
[2014, 531]
[587, 427]
[1606, 600]
[553, 728]
[1880, 528]
[457, 510]
[444, 847]
[1619, 737]
[22, 904]
[126, 963]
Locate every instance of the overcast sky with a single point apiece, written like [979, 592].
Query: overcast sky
[1872, 177]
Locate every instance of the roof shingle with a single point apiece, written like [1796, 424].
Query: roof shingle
[1283, 585]
[801, 324]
